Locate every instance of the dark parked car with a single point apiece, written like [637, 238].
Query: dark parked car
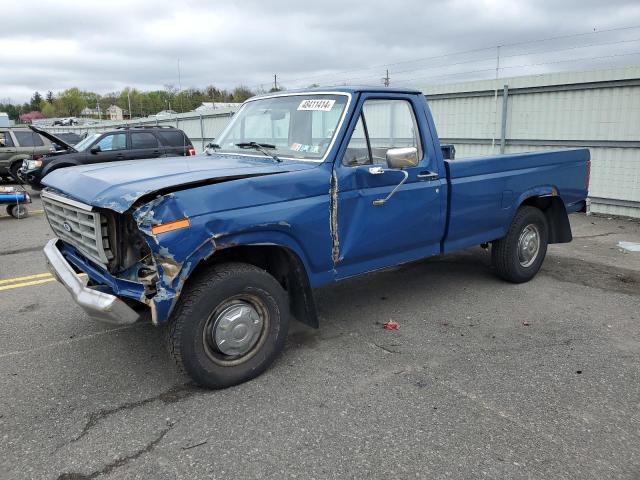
[123, 143]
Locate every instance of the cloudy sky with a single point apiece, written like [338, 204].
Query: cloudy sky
[107, 45]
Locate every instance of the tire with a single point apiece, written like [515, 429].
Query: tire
[519, 255]
[18, 211]
[212, 310]
[14, 171]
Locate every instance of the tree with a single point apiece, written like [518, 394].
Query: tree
[70, 102]
[35, 102]
[241, 93]
[50, 97]
[48, 110]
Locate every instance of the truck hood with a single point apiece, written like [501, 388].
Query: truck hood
[118, 185]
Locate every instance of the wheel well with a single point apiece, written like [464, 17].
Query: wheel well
[285, 266]
[16, 161]
[557, 217]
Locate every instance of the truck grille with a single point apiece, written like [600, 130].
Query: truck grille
[78, 225]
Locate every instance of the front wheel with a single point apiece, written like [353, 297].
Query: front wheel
[14, 171]
[519, 255]
[229, 326]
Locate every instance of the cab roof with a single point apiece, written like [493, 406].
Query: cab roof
[345, 89]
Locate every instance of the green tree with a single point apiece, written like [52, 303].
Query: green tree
[241, 93]
[50, 97]
[35, 102]
[70, 102]
[48, 110]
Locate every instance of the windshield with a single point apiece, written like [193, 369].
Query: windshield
[82, 145]
[298, 126]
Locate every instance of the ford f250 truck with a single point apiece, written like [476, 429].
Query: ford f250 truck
[303, 188]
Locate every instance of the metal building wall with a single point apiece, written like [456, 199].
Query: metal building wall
[597, 109]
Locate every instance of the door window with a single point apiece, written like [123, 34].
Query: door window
[358, 149]
[114, 141]
[28, 138]
[388, 124]
[5, 139]
[143, 140]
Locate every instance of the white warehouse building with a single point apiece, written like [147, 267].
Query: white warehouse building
[598, 109]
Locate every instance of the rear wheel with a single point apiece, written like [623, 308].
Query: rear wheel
[229, 326]
[519, 255]
[18, 211]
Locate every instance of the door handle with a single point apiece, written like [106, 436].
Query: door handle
[430, 176]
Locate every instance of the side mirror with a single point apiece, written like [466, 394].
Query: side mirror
[402, 157]
[95, 149]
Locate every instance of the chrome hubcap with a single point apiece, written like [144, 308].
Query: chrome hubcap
[528, 245]
[237, 329]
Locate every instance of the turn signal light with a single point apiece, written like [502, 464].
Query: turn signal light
[171, 226]
[191, 152]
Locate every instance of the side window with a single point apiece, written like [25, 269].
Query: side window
[28, 138]
[143, 140]
[5, 139]
[173, 138]
[114, 141]
[390, 124]
[357, 152]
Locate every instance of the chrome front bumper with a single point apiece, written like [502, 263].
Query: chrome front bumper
[98, 305]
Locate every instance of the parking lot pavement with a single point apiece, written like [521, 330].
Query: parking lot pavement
[484, 379]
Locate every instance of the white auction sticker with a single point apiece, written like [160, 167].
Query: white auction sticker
[316, 104]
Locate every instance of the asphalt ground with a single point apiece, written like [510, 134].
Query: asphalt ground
[484, 379]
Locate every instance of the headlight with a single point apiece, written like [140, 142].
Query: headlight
[31, 164]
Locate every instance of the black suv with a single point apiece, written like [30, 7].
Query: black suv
[123, 143]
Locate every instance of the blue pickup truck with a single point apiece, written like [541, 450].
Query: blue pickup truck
[302, 188]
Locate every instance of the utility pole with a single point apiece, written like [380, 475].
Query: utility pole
[129, 102]
[495, 99]
[180, 87]
[275, 82]
[386, 79]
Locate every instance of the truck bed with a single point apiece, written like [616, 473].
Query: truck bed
[483, 192]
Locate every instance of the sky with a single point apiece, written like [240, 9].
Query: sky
[104, 46]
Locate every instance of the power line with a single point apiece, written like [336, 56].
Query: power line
[522, 66]
[475, 50]
[492, 58]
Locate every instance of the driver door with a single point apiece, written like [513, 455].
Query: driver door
[112, 147]
[387, 214]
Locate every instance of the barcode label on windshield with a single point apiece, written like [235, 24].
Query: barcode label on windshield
[319, 105]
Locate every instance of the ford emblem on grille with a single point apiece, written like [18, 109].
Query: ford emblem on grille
[67, 227]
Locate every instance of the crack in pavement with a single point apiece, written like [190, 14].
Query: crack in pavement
[599, 235]
[386, 349]
[118, 462]
[22, 250]
[173, 395]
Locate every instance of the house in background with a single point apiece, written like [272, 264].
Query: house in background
[90, 112]
[114, 112]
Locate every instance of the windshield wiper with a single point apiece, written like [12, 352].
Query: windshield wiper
[261, 147]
